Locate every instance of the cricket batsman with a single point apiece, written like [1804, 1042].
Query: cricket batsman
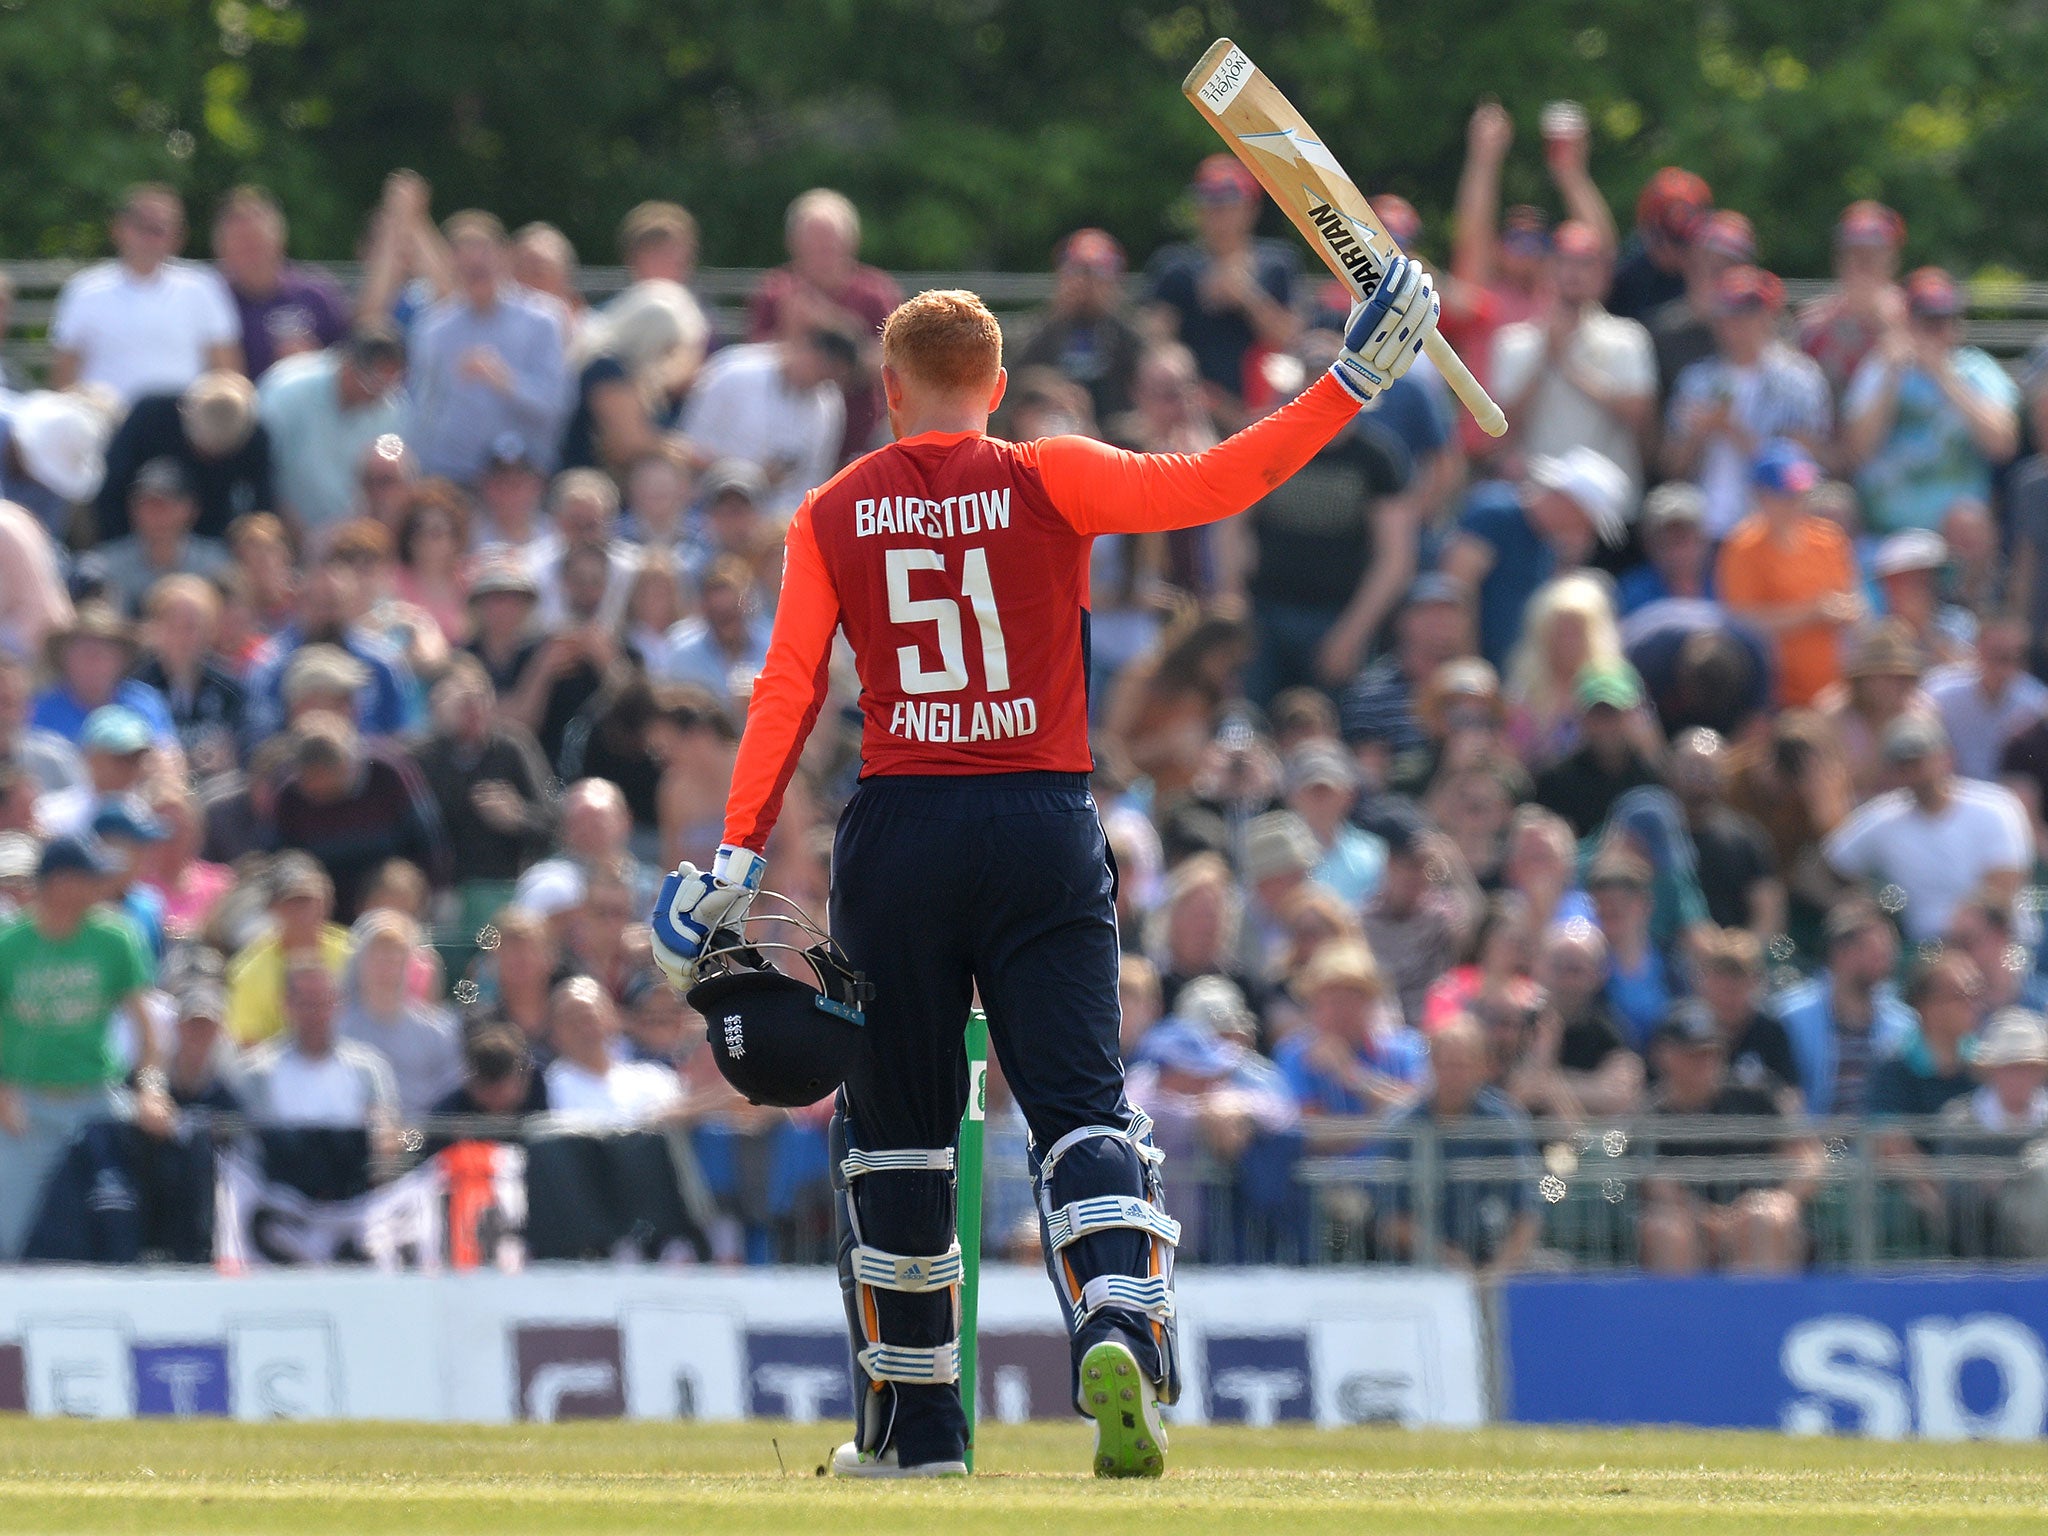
[971, 855]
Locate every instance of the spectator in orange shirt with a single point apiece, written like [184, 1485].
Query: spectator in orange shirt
[1790, 573]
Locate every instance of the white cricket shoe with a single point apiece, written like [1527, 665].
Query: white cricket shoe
[850, 1461]
[1130, 1441]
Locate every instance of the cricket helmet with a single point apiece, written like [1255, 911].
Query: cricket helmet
[783, 1040]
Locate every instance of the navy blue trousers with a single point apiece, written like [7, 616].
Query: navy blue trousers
[941, 885]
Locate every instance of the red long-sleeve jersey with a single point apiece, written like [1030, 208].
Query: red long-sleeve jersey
[958, 565]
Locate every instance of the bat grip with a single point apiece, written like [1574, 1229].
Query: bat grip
[1468, 389]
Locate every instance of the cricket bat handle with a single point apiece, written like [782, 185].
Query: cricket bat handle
[1468, 389]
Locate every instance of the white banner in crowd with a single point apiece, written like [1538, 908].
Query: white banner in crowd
[1261, 1346]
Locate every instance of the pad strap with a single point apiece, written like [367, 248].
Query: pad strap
[1071, 1222]
[1138, 1134]
[926, 1160]
[1126, 1293]
[894, 1362]
[907, 1272]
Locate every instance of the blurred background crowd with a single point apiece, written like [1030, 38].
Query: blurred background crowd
[366, 655]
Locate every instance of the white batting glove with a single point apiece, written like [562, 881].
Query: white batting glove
[1386, 331]
[693, 906]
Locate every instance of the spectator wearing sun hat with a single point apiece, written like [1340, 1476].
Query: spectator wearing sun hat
[1082, 332]
[1791, 574]
[1906, 569]
[1839, 329]
[1226, 294]
[1754, 388]
[52, 455]
[1513, 538]
[90, 661]
[1926, 419]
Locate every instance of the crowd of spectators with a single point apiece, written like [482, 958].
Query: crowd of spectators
[366, 657]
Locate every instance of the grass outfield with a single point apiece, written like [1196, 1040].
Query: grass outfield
[212, 1477]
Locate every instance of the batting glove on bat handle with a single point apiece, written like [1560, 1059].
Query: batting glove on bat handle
[693, 905]
[1386, 331]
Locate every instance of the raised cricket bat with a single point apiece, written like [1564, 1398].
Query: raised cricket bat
[1265, 131]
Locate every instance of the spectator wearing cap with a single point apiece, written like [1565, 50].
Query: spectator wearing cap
[1987, 702]
[503, 598]
[1678, 557]
[729, 519]
[486, 360]
[162, 512]
[1082, 331]
[1486, 1225]
[826, 287]
[354, 804]
[1651, 272]
[1331, 548]
[1574, 376]
[1725, 408]
[284, 309]
[1210, 1099]
[1926, 419]
[1511, 539]
[1906, 568]
[145, 322]
[127, 828]
[117, 746]
[1279, 851]
[210, 430]
[1841, 327]
[1227, 295]
[1610, 759]
[1691, 1219]
[1377, 712]
[779, 405]
[67, 965]
[301, 908]
[635, 361]
[1321, 787]
[1682, 331]
[1939, 838]
[1791, 574]
[330, 610]
[324, 413]
[89, 664]
[724, 645]
[511, 490]
[1354, 1056]
[52, 456]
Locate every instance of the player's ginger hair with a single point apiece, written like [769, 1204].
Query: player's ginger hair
[945, 338]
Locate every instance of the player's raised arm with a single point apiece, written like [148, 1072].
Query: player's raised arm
[1100, 489]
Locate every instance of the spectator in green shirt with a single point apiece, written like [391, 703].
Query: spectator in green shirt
[66, 965]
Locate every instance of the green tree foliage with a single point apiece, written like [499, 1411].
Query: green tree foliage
[974, 132]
